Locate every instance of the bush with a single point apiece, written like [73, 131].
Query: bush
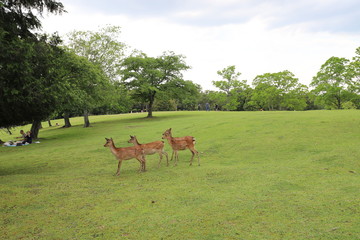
[348, 105]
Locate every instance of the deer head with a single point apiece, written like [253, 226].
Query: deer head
[132, 139]
[167, 134]
[108, 142]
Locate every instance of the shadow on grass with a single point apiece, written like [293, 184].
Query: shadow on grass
[133, 119]
[24, 169]
[137, 119]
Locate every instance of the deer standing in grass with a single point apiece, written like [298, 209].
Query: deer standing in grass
[151, 148]
[126, 153]
[181, 143]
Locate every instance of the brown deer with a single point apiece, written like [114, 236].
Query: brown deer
[126, 153]
[181, 143]
[151, 148]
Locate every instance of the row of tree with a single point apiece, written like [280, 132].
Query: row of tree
[335, 86]
[41, 77]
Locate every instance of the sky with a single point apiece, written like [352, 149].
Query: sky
[257, 36]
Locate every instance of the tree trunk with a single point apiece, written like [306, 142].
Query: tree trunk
[150, 106]
[49, 122]
[150, 111]
[86, 119]
[35, 127]
[67, 120]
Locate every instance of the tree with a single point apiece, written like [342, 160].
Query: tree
[101, 48]
[279, 90]
[236, 91]
[178, 95]
[28, 86]
[332, 82]
[146, 76]
[354, 72]
[17, 18]
[265, 97]
[230, 79]
[26, 59]
[118, 100]
[85, 86]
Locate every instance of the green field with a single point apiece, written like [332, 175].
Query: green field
[263, 175]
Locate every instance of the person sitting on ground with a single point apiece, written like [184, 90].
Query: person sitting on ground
[28, 138]
[23, 135]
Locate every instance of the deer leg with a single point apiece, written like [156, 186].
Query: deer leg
[197, 153]
[141, 163]
[118, 170]
[176, 158]
[172, 155]
[160, 154]
[144, 163]
[192, 157]
[167, 158]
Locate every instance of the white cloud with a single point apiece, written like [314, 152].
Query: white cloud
[253, 45]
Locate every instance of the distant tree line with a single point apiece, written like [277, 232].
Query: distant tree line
[335, 86]
[42, 77]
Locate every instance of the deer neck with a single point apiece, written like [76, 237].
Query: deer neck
[113, 148]
[137, 143]
[170, 140]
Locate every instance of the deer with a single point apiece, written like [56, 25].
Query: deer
[151, 148]
[126, 153]
[181, 143]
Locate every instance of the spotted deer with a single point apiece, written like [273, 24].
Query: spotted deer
[126, 153]
[181, 143]
[151, 148]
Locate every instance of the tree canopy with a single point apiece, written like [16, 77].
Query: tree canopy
[27, 89]
[146, 76]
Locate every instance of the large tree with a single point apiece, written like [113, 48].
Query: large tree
[85, 86]
[26, 60]
[20, 18]
[102, 48]
[237, 91]
[280, 91]
[28, 85]
[332, 82]
[146, 76]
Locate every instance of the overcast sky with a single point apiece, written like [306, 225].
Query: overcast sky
[257, 36]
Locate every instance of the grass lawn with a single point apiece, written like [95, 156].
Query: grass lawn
[263, 175]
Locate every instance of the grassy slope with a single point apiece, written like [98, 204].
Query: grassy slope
[263, 175]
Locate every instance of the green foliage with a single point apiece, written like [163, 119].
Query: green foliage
[29, 88]
[332, 83]
[348, 105]
[146, 76]
[263, 175]
[19, 18]
[230, 79]
[101, 48]
[277, 91]
[87, 86]
[237, 92]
